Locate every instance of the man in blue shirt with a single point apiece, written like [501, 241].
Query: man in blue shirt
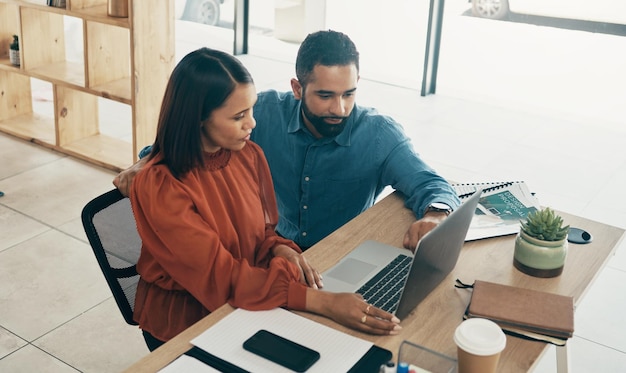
[331, 158]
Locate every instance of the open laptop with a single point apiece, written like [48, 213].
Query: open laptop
[410, 277]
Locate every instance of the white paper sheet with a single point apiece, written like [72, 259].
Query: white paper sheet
[338, 351]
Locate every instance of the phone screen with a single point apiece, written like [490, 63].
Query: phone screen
[281, 350]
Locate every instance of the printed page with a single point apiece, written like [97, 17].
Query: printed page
[500, 211]
[338, 351]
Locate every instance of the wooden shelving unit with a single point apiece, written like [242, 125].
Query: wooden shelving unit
[126, 60]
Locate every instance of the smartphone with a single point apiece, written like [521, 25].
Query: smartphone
[282, 351]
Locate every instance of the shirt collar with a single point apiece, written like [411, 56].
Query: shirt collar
[343, 139]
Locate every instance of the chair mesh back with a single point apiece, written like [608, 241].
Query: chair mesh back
[112, 233]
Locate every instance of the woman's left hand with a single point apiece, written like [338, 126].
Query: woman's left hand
[308, 274]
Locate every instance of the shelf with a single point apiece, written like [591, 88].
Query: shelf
[5, 63]
[63, 72]
[91, 10]
[99, 14]
[89, 63]
[100, 149]
[31, 127]
[103, 150]
[118, 90]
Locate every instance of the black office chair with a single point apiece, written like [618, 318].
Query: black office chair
[110, 227]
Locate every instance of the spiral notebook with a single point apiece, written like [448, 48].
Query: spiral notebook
[500, 209]
[467, 189]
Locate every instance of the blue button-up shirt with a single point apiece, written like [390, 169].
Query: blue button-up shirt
[321, 184]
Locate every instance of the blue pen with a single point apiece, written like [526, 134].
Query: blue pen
[403, 368]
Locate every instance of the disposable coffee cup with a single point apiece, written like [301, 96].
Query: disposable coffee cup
[479, 344]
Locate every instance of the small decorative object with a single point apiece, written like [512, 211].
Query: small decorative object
[117, 8]
[56, 3]
[14, 51]
[541, 245]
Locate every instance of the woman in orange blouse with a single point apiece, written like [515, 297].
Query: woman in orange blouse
[206, 212]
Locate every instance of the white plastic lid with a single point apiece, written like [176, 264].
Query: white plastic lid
[480, 337]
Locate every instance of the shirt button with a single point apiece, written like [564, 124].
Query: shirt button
[305, 207]
[306, 178]
[303, 234]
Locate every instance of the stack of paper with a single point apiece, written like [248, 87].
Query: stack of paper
[338, 351]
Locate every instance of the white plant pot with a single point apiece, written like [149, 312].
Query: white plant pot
[539, 258]
[14, 57]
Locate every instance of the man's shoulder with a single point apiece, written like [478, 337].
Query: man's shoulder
[368, 112]
[273, 111]
[272, 96]
[368, 118]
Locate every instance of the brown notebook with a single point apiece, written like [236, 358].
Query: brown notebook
[534, 314]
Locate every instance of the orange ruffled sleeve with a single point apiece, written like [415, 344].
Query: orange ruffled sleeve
[210, 234]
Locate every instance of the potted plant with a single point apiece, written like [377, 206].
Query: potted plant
[14, 51]
[541, 245]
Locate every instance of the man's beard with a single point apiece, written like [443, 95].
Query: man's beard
[323, 128]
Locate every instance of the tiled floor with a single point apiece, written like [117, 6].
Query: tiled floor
[57, 314]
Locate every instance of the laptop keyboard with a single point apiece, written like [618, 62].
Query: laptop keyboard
[384, 289]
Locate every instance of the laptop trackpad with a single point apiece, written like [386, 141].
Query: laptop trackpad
[351, 271]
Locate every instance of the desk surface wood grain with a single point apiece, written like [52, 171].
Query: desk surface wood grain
[433, 322]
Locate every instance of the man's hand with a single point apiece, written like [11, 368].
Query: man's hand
[418, 229]
[123, 179]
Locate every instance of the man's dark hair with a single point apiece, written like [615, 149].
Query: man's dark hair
[327, 48]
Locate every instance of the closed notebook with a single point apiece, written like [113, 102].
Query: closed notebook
[521, 310]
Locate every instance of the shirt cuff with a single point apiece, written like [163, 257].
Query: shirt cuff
[145, 151]
[296, 296]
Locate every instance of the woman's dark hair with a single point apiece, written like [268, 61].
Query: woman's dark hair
[326, 48]
[200, 83]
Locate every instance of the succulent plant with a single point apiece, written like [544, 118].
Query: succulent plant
[545, 225]
[15, 45]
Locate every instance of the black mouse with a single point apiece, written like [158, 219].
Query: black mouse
[577, 235]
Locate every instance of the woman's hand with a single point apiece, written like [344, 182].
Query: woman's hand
[308, 275]
[351, 310]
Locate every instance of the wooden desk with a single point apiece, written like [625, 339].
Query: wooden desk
[433, 322]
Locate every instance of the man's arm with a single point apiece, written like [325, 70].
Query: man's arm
[123, 179]
[406, 172]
